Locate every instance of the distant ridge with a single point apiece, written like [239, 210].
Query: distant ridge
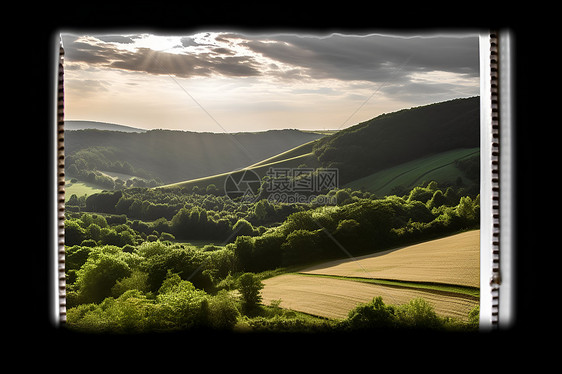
[86, 125]
[174, 155]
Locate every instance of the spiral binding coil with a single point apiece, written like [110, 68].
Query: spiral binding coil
[60, 189]
[495, 280]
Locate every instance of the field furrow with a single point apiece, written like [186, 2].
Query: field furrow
[451, 260]
[334, 298]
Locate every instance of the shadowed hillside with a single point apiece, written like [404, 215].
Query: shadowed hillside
[392, 139]
[174, 156]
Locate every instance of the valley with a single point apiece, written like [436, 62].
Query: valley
[156, 241]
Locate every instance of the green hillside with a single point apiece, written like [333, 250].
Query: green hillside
[389, 152]
[395, 138]
[443, 167]
[85, 125]
[393, 150]
[173, 156]
[298, 151]
[291, 159]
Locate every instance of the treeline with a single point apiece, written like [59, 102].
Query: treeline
[86, 165]
[358, 226]
[119, 265]
[185, 216]
[307, 232]
[174, 156]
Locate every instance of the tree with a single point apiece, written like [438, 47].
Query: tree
[243, 250]
[73, 200]
[343, 197]
[437, 200]
[182, 304]
[468, 210]
[420, 194]
[180, 223]
[250, 286]
[73, 233]
[243, 227]
[348, 233]
[98, 275]
[301, 246]
[212, 189]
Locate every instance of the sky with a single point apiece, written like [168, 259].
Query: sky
[231, 81]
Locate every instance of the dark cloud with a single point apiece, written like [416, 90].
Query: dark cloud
[239, 66]
[157, 62]
[223, 51]
[85, 52]
[116, 39]
[373, 58]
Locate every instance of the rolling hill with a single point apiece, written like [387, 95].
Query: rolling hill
[389, 152]
[395, 138]
[395, 150]
[442, 167]
[85, 125]
[174, 156]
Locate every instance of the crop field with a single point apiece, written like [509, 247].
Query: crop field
[334, 298]
[453, 260]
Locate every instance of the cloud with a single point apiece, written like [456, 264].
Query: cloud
[217, 61]
[373, 58]
[87, 86]
[116, 39]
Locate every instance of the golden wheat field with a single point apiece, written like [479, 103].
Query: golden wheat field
[334, 298]
[451, 260]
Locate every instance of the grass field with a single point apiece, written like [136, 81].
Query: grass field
[292, 158]
[453, 260]
[79, 189]
[439, 167]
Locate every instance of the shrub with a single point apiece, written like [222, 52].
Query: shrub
[243, 227]
[223, 313]
[250, 286]
[181, 304]
[374, 314]
[98, 275]
[418, 313]
[474, 317]
[166, 236]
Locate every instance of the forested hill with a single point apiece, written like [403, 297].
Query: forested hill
[391, 139]
[85, 125]
[174, 156]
